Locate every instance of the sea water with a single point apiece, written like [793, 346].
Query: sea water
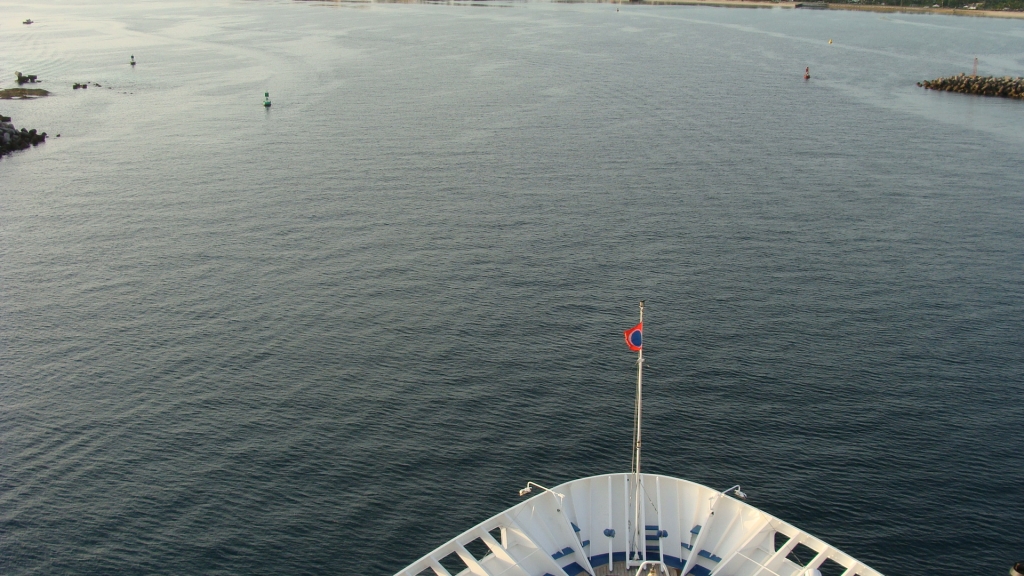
[326, 337]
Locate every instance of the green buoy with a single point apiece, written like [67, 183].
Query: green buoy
[133, 59]
[266, 99]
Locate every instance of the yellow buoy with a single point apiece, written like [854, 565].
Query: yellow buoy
[829, 40]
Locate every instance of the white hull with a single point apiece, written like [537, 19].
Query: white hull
[688, 529]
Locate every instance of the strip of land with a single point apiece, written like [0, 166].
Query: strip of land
[922, 10]
[857, 7]
[22, 93]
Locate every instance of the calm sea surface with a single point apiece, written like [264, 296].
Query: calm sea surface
[326, 337]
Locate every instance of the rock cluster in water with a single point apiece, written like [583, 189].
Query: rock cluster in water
[22, 79]
[12, 139]
[1007, 86]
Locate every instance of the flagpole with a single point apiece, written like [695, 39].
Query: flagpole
[639, 543]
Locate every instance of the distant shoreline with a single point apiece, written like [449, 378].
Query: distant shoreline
[920, 10]
[753, 4]
[855, 7]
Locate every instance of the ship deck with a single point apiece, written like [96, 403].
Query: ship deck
[585, 527]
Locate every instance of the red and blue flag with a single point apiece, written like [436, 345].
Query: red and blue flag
[635, 337]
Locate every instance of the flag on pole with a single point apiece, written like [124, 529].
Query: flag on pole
[635, 338]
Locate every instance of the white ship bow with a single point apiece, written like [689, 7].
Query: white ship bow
[625, 524]
[576, 528]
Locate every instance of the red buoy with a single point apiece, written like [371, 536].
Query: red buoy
[807, 73]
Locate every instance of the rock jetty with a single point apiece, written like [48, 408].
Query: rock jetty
[1007, 86]
[12, 139]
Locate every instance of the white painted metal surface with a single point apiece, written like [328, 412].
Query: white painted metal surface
[575, 528]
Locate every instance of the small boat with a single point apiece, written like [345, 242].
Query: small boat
[635, 524]
[29, 21]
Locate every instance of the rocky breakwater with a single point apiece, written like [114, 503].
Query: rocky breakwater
[1007, 86]
[12, 139]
